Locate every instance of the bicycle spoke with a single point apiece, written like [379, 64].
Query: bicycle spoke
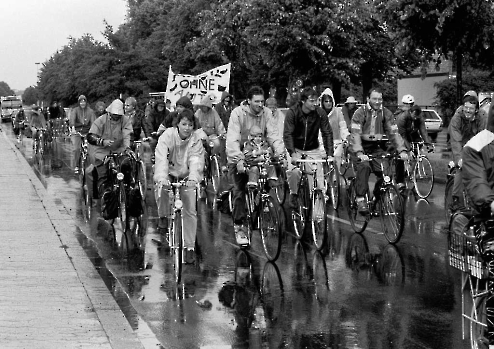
[318, 219]
[423, 177]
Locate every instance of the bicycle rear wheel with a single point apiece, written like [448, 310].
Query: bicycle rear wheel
[300, 214]
[357, 220]
[177, 246]
[423, 177]
[392, 213]
[318, 218]
[215, 174]
[269, 226]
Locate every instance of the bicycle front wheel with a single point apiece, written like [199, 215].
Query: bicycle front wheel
[318, 218]
[270, 228]
[177, 246]
[280, 188]
[357, 220]
[122, 207]
[423, 177]
[300, 213]
[333, 180]
[392, 213]
[215, 174]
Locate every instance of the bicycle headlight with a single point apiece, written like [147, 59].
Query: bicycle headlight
[120, 176]
[211, 144]
[387, 179]
[179, 204]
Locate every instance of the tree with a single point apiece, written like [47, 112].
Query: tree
[30, 95]
[459, 29]
[5, 89]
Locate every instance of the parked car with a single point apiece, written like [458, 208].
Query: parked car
[433, 123]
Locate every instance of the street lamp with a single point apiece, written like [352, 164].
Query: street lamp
[37, 70]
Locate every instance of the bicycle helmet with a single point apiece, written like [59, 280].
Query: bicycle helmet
[408, 99]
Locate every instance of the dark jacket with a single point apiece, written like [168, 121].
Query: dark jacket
[302, 130]
[154, 120]
[183, 101]
[137, 121]
[411, 130]
[462, 130]
[223, 110]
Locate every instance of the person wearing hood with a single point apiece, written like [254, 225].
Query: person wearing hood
[337, 122]
[180, 155]
[348, 109]
[250, 112]
[467, 121]
[80, 121]
[224, 108]
[110, 133]
[153, 121]
[37, 121]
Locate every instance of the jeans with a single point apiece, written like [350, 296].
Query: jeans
[294, 174]
[364, 169]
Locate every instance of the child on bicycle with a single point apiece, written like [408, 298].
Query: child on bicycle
[255, 151]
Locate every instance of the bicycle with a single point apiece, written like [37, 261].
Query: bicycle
[262, 213]
[332, 178]
[212, 170]
[311, 203]
[82, 168]
[140, 170]
[466, 250]
[175, 225]
[448, 192]
[391, 206]
[419, 174]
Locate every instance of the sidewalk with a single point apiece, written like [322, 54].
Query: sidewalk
[51, 296]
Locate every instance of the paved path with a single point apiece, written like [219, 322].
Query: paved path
[51, 296]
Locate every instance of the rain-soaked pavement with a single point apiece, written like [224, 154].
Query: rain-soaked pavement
[361, 293]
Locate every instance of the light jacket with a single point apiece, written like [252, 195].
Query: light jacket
[336, 118]
[241, 120]
[116, 131]
[462, 130]
[82, 119]
[179, 157]
[478, 170]
[210, 122]
[371, 125]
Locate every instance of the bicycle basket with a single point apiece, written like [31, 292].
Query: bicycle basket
[462, 248]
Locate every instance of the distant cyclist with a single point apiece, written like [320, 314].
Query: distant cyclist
[81, 119]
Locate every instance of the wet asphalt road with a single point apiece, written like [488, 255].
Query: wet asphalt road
[362, 293]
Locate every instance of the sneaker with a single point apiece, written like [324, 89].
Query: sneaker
[76, 170]
[294, 201]
[224, 169]
[362, 206]
[240, 235]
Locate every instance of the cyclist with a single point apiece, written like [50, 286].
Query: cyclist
[99, 108]
[153, 121]
[180, 154]
[248, 113]
[370, 123]
[19, 119]
[467, 121]
[337, 122]
[303, 122]
[411, 127]
[37, 121]
[81, 120]
[136, 118]
[110, 133]
[210, 122]
[225, 107]
[348, 110]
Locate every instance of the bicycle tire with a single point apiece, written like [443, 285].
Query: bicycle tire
[392, 213]
[333, 181]
[448, 199]
[269, 227]
[318, 218]
[478, 324]
[122, 207]
[272, 294]
[142, 180]
[280, 188]
[357, 221]
[423, 177]
[300, 214]
[215, 174]
[177, 246]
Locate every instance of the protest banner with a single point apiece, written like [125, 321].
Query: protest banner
[213, 81]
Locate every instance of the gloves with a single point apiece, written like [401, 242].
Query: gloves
[404, 155]
[363, 157]
[460, 162]
[240, 166]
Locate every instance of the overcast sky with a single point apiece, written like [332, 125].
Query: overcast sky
[32, 31]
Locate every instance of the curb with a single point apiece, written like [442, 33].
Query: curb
[117, 328]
